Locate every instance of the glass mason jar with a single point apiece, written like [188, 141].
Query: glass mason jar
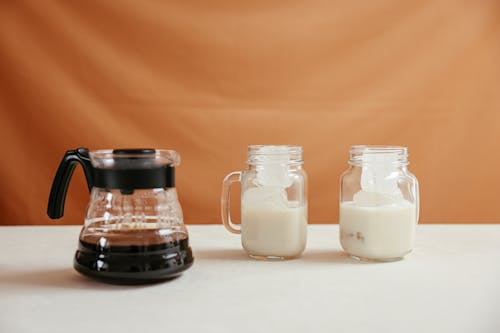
[273, 202]
[379, 204]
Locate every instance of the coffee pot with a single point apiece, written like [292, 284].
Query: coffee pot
[134, 231]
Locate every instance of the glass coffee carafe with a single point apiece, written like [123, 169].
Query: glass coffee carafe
[134, 231]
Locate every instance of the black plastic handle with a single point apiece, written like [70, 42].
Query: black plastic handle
[55, 209]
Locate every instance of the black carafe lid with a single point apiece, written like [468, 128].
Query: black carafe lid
[122, 169]
[129, 169]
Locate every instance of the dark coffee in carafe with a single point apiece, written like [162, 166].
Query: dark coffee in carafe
[122, 258]
[134, 231]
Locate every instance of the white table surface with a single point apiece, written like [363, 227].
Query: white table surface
[451, 283]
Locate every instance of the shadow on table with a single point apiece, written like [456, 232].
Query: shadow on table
[68, 278]
[62, 278]
[313, 256]
[327, 256]
[221, 254]
[334, 256]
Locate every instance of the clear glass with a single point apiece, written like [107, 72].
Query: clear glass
[379, 204]
[106, 158]
[273, 202]
[143, 217]
[154, 213]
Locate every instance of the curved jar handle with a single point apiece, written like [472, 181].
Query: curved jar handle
[231, 178]
[55, 209]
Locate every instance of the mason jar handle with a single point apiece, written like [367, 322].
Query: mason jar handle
[231, 178]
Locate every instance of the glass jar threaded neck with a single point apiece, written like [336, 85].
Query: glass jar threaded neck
[363, 155]
[268, 154]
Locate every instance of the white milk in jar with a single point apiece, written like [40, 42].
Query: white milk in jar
[378, 231]
[271, 225]
[378, 221]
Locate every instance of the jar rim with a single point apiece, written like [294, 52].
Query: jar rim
[363, 154]
[379, 148]
[278, 148]
[281, 154]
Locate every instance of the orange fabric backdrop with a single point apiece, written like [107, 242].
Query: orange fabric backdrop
[207, 78]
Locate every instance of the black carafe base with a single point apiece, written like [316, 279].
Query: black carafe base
[133, 264]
